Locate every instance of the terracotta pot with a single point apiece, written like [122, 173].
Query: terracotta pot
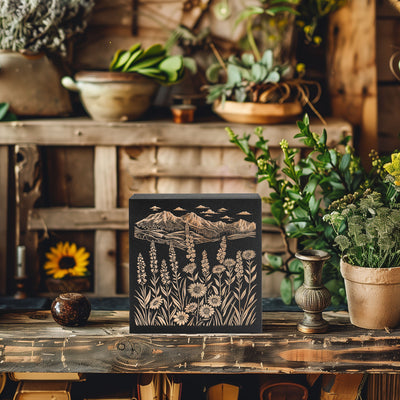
[373, 295]
[113, 96]
[257, 113]
[32, 85]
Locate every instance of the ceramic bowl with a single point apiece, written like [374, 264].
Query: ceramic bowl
[113, 96]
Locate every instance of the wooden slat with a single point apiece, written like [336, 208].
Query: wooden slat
[352, 75]
[78, 219]
[389, 118]
[34, 342]
[4, 162]
[388, 43]
[85, 132]
[105, 176]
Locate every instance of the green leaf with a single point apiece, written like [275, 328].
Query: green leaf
[311, 185]
[248, 59]
[234, 75]
[295, 266]
[135, 47]
[144, 63]
[286, 290]
[314, 205]
[172, 63]
[297, 282]
[131, 59]
[268, 58]
[155, 50]
[273, 77]
[190, 64]
[344, 163]
[275, 10]
[275, 261]
[322, 139]
[119, 59]
[3, 110]
[269, 221]
[258, 72]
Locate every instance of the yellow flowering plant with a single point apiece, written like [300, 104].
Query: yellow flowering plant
[66, 260]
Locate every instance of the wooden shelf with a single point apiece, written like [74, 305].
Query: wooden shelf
[33, 342]
[86, 132]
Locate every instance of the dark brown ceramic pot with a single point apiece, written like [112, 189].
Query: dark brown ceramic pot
[71, 309]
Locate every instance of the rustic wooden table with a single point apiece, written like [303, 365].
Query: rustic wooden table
[33, 342]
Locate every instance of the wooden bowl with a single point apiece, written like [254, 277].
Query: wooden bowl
[257, 113]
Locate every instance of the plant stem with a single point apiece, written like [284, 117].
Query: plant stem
[252, 42]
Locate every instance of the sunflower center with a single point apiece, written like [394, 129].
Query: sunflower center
[67, 262]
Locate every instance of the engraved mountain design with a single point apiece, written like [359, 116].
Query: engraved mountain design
[165, 227]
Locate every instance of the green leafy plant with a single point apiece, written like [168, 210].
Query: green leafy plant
[263, 81]
[5, 114]
[153, 62]
[42, 26]
[301, 191]
[271, 18]
[367, 223]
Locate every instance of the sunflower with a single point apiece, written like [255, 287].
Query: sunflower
[66, 260]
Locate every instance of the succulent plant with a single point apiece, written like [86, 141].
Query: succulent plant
[263, 81]
[152, 62]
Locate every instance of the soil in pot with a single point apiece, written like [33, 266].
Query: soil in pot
[373, 296]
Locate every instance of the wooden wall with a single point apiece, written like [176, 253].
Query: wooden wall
[387, 44]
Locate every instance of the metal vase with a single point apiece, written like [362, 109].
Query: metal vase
[312, 297]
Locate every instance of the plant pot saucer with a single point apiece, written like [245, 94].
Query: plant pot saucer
[257, 113]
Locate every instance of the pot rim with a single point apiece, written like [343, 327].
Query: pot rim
[371, 276]
[312, 255]
[110, 76]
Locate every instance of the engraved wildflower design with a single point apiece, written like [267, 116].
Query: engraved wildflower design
[180, 282]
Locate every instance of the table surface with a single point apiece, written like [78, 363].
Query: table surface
[31, 341]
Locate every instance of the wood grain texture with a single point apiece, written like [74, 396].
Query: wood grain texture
[352, 71]
[105, 197]
[85, 132]
[27, 191]
[389, 118]
[4, 163]
[34, 342]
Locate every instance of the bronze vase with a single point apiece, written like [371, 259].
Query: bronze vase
[313, 297]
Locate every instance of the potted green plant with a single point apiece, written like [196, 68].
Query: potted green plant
[259, 92]
[34, 37]
[329, 201]
[264, 77]
[125, 92]
[367, 229]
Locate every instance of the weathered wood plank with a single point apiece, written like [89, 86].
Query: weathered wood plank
[27, 191]
[388, 43]
[78, 219]
[85, 132]
[105, 197]
[69, 176]
[389, 118]
[4, 163]
[34, 342]
[352, 74]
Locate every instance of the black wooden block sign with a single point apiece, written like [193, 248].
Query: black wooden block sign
[195, 263]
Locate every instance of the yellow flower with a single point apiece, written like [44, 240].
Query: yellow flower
[66, 260]
[393, 168]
